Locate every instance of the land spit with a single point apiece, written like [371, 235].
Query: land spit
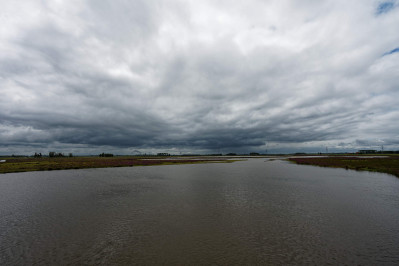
[384, 164]
[28, 164]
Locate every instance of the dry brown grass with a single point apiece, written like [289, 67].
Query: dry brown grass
[386, 164]
[45, 163]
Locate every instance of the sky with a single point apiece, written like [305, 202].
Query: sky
[134, 77]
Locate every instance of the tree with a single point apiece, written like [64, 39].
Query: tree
[106, 155]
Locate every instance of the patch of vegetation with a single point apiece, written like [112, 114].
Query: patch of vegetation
[26, 164]
[385, 164]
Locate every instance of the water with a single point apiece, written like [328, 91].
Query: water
[244, 213]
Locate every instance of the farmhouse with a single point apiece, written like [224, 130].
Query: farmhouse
[367, 151]
[163, 154]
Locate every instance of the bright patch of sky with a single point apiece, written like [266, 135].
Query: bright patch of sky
[396, 50]
[385, 7]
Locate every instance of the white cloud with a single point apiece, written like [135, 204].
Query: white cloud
[205, 75]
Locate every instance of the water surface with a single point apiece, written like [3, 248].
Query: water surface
[244, 213]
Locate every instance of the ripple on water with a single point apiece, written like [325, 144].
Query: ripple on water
[245, 213]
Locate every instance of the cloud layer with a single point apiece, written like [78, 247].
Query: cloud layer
[198, 76]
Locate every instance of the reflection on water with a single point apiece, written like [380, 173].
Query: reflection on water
[245, 213]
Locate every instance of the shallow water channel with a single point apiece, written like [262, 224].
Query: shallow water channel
[252, 212]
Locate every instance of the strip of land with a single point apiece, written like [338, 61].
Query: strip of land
[385, 164]
[27, 164]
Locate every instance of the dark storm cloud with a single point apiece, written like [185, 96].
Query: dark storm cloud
[131, 76]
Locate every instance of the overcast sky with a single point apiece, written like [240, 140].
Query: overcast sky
[127, 76]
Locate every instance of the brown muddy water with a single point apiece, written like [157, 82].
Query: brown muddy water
[244, 213]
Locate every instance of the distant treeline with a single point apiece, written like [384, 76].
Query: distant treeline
[58, 154]
[106, 155]
[52, 154]
[388, 152]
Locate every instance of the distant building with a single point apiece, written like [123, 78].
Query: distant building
[254, 154]
[367, 151]
[163, 154]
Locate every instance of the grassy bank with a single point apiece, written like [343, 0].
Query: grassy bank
[13, 165]
[386, 164]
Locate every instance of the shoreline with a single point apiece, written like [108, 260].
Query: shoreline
[18, 165]
[388, 164]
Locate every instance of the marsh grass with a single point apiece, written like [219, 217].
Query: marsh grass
[387, 164]
[28, 164]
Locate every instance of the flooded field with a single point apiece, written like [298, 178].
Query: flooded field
[252, 212]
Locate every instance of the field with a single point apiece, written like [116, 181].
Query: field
[26, 164]
[385, 164]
